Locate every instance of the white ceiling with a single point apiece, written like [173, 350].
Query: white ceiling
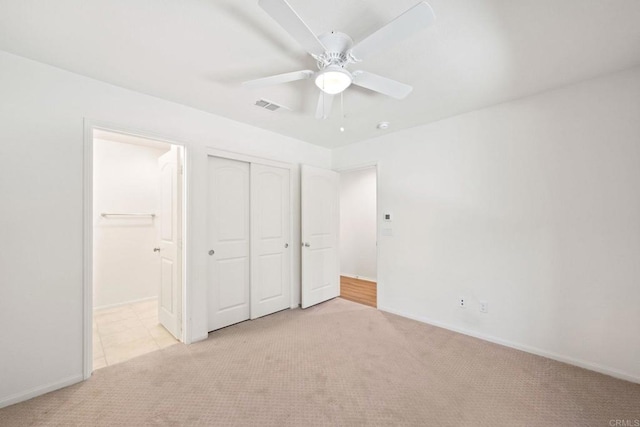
[197, 52]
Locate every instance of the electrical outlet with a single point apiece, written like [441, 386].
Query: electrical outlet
[484, 307]
[462, 303]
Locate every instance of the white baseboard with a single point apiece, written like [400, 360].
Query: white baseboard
[37, 391]
[533, 350]
[199, 338]
[353, 276]
[120, 304]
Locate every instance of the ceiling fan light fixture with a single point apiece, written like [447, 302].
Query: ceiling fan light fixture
[333, 80]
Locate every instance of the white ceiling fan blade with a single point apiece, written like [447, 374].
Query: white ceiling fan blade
[410, 22]
[325, 101]
[278, 79]
[381, 84]
[288, 19]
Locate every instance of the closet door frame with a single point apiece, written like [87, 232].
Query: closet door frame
[293, 170]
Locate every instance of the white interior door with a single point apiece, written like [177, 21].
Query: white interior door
[270, 240]
[229, 239]
[169, 297]
[320, 227]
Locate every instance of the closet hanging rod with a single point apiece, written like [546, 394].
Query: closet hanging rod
[105, 214]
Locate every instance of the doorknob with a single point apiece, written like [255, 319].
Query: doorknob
[211, 252]
[156, 249]
[286, 245]
[306, 244]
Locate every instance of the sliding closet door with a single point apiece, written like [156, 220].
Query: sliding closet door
[229, 237]
[270, 240]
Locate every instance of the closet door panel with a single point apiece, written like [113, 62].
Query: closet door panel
[229, 237]
[271, 246]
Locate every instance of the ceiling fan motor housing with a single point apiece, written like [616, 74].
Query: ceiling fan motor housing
[338, 46]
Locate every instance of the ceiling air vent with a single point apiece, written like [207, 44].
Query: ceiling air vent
[271, 106]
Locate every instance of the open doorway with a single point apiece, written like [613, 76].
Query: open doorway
[137, 253]
[358, 235]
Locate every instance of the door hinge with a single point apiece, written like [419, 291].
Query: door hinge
[181, 170]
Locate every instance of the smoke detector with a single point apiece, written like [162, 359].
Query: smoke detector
[383, 125]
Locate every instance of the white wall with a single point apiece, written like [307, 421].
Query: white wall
[125, 179]
[358, 223]
[533, 206]
[42, 112]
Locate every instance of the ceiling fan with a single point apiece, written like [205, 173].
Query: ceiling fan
[334, 51]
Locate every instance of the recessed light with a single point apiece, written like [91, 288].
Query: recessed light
[341, 129]
[383, 125]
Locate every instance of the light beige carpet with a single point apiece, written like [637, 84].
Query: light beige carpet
[338, 363]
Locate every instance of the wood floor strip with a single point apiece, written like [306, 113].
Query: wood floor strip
[361, 291]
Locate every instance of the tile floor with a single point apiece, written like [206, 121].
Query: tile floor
[124, 332]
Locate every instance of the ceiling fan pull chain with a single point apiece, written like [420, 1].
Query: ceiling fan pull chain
[343, 115]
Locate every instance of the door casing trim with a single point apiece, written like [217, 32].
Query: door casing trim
[87, 233]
